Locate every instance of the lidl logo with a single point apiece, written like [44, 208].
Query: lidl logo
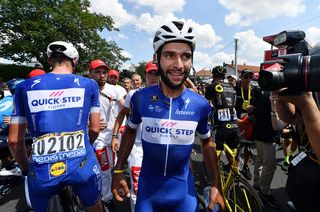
[58, 169]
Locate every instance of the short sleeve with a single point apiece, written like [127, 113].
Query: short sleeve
[136, 108]
[18, 114]
[95, 103]
[203, 128]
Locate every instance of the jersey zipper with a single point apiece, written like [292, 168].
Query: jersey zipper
[167, 151]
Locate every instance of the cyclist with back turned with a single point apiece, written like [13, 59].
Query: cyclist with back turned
[56, 107]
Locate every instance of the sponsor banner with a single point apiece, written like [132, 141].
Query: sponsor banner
[48, 100]
[165, 131]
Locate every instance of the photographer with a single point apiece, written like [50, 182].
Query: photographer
[302, 108]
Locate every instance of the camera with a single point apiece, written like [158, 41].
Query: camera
[290, 66]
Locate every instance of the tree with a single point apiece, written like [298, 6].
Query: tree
[28, 26]
[140, 69]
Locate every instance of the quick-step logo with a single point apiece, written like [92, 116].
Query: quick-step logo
[48, 100]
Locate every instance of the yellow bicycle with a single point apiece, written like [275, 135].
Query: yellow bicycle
[238, 194]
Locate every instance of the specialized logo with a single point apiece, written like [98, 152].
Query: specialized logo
[35, 82]
[58, 169]
[186, 103]
[48, 100]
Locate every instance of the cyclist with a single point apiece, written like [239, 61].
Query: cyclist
[6, 107]
[170, 115]
[57, 107]
[135, 157]
[222, 97]
[36, 72]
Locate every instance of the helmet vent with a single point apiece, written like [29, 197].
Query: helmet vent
[166, 28]
[168, 36]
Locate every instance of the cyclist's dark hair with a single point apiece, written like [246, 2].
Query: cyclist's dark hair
[58, 57]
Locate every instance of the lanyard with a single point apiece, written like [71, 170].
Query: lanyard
[249, 93]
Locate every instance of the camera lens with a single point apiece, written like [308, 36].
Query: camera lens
[271, 80]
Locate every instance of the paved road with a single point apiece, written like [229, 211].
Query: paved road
[15, 201]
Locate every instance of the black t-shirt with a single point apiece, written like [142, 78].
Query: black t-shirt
[263, 130]
[255, 95]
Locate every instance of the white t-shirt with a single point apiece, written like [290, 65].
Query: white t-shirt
[127, 105]
[108, 97]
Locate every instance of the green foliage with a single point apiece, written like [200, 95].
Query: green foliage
[140, 69]
[10, 71]
[28, 26]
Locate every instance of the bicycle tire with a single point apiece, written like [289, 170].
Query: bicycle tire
[245, 194]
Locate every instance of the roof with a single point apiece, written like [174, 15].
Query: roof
[243, 67]
[204, 73]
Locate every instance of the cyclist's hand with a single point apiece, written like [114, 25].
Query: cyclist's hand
[216, 197]
[114, 145]
[250, 109]
[120, 187]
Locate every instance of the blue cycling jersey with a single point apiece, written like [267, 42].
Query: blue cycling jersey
[6, 107]
[56, 108]
[168, 132]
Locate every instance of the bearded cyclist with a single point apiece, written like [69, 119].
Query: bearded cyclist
[56, 107]
[170, 115]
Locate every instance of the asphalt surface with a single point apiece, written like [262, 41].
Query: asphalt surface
[15, 200]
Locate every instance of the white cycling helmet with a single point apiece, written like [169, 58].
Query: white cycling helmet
[174, 30]
[65, 48]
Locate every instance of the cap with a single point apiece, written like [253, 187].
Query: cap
[36, 72]
[113, 72]
[246, 72]
[232, 76]
[150, 66]
[97, 63]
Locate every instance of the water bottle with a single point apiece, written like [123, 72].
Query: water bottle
[206, 197]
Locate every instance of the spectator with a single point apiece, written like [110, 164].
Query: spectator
[265, 140]
[36, 72]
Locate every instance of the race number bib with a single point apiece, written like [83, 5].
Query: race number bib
[245, 104]
[52, 147]
[224, 114]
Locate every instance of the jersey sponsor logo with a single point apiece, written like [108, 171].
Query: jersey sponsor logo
[35, 82]
[76, 80]
[165, 131]
[154, 98]
[58, 169]
[187, 113]
[186, 103]
[49, 100]
[169, 131]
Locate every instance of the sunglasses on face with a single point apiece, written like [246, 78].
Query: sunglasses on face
[248, 76]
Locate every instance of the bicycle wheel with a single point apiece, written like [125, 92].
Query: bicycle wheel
[242, 197]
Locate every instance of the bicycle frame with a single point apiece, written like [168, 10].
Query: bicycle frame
[233, 173]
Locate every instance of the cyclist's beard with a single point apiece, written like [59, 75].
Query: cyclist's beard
[165, 79]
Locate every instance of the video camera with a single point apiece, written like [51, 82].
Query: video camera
[294, 65]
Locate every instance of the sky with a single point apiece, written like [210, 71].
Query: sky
[216, 23]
